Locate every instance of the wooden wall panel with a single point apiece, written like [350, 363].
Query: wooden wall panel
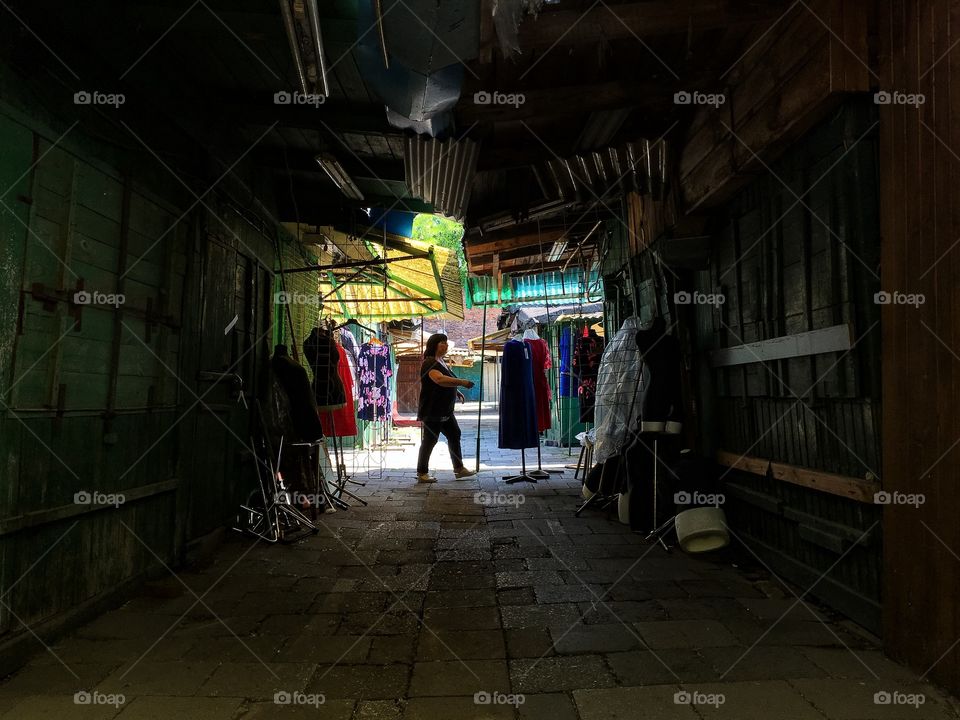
[789, 79]
[920, 221]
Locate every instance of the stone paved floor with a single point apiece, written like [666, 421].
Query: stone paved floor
[410, 607]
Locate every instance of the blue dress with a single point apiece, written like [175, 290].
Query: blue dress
[518, 407]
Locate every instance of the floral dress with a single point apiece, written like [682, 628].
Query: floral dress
[586, 366]
[374, 371]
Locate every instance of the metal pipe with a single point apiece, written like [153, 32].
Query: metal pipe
[291, 29]
[378, 9]
[313, 17]
[580, 245]
[483, 348]
[414, 255]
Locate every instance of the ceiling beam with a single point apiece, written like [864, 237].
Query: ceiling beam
[604, 23]
[513, 243]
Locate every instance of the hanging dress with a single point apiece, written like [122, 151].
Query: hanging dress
[587, 354]
[344, 420]
[374, 371]
[568, 385]
[320, 349]
[518, 408]
[540, 363]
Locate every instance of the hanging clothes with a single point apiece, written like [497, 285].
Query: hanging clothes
[540, 362]
[321, 352]
[343, 421]
[587, 354]
[568, 384]
[518, 409]
[296, 387]
[618, 391]
[349, 344]
[374, 369]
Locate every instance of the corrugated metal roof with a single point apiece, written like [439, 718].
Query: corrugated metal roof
[441, 172]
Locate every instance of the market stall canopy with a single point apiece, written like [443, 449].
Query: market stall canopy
[382, 276]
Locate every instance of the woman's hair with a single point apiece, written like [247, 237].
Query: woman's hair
[431, 348]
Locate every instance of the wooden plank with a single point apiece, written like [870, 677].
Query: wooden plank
[743, 462]
[59, 513]
[837, 338]
[532, 240]
[858, 489]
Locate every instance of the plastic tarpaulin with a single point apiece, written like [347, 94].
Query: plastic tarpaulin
[617, 404]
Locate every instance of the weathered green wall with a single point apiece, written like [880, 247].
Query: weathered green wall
[106, 399]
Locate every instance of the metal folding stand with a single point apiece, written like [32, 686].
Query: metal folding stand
[524, 475]
[660, 532]
[341, 467]
[598, 498]
[320, 480]
[270, 513]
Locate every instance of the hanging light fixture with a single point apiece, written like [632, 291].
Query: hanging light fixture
[334, 170]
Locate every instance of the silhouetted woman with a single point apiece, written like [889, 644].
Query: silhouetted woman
[438, 395]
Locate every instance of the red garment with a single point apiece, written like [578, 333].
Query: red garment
[345, 418]
[540, 360]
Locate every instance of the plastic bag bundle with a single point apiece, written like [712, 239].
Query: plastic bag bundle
[618, 391]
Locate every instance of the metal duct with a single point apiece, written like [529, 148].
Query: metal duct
[441, 172]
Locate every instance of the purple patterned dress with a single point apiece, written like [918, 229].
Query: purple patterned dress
[374, 371]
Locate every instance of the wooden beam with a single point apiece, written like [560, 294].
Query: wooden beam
[858, 489]
[604, 23]
[512, 243]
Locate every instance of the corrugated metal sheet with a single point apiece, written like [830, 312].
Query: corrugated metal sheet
[441, 172]
[639, 166]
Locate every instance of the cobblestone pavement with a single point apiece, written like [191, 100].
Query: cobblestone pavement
[433, 599]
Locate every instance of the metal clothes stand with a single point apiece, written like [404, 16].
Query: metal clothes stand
[540, 472]
[524, 476]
